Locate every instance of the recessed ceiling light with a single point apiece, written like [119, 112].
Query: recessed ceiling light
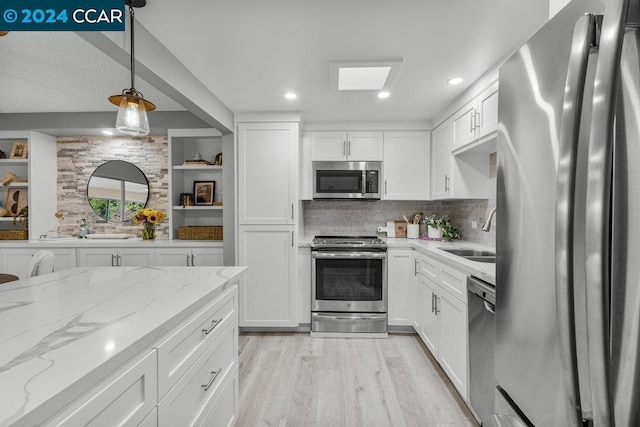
[455, 81]
[383, 94]
[107, 132]
[290, 95]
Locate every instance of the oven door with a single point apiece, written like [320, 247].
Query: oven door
[349, 281]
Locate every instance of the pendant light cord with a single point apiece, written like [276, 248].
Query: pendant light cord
[133, 62]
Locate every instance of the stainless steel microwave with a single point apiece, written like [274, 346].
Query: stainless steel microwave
[347, 180]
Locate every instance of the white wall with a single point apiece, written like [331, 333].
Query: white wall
[555, 6]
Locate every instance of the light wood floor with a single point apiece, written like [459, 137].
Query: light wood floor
[294, 380]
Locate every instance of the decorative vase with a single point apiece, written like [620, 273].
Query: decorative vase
[434, 233]
[148, 231]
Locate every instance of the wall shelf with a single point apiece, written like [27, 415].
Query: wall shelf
[197, 168]
[197, 208]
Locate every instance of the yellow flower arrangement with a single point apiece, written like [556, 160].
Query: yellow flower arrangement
[148, 218]
[152, 216]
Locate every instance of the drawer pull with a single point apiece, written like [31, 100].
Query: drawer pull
[214, 323]
[214, 375]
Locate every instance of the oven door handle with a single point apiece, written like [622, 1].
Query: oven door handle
[349, 255]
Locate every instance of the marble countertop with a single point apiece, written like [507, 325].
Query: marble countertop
[62, 333]
[137, 242]
[484, 271]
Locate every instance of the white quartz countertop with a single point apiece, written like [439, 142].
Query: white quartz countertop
[112, 243]
[62, 333]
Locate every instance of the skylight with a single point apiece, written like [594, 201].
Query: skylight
[362, 78]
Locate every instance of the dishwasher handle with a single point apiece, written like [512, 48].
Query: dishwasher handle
[483, 289]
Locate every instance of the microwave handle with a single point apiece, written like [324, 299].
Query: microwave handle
[364, 182]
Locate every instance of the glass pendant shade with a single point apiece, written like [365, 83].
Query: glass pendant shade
[132, 117]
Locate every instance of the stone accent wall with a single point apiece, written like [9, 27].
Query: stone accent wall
[357, 217]
[78, 157]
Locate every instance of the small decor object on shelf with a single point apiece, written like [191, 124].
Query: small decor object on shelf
[19, 150]
[3, 155]
[148, 218]
[218, 160]
[441, 228]
[17, 198]
[204, 191]
[200, 162]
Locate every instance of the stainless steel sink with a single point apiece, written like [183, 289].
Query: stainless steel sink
[469, 252]
[472, 254]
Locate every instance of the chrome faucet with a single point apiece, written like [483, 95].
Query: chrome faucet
[487, 224]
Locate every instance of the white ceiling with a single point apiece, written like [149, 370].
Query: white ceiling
[250, 52]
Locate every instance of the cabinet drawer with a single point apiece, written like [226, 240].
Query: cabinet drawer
[177, 353]
[430, 268]
[124, 399]
[225, 407]
[454, 282]
[192, 394]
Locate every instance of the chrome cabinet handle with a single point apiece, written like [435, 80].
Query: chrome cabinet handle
[415, 267]
[477, 120]
[446, 184]
[193, 260]
[599, 197]
[344, 148]
[568, 144]
[113, 262]
[348, 148]
[292, 208]
[188, 265]
[432, 301]
[119, 259]
[471, 126]
[435, 305]
[214, 323]
[291, 239]
[214, 375]
[385, 186]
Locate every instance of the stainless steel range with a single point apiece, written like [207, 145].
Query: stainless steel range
[348, 285]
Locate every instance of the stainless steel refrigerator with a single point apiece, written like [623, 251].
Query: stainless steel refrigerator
[568, 242]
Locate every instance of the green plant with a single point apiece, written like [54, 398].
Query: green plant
[449, 232]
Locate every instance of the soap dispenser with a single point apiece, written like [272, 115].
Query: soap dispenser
[84, 230]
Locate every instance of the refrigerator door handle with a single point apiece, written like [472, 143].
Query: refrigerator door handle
[583, 39]
[599, 180]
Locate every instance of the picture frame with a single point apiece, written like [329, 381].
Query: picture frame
[204, 192]
[17, 198]
[19, 150]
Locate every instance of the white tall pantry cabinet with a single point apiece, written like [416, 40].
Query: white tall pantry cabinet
[267, 200]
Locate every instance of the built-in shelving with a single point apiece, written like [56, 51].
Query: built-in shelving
[197, 168]
[197, 208]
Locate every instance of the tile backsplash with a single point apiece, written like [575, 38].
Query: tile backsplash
[358, 217]
[78, 157]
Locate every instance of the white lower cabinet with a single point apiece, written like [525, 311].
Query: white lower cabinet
[16, 261]
[186, 257]
[115, 257]
[440, 318]
[268, 291]
[124, 399]
[401, 271]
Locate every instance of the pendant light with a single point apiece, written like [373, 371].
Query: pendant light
[132, 107]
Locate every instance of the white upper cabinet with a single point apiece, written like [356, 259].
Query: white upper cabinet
[267, 172]
[346, 146]
[477, 120]
[442, 140]
[406, 165]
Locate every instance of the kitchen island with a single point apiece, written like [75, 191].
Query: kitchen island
[123, 344]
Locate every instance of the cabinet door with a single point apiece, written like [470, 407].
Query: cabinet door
[487, 120]
[400, 269]
[16, 261]
[267, 173]
[429, 326]
[267, 292]
[173, 257]
[97, 257]
[328, 146]
[464, 125]
[208, 257]
[65, 259]
[441, 145]
[364, 146]
[453, 340]
[135, 257]
[406, 165]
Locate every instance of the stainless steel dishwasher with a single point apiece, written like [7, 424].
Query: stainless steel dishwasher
[482, 320]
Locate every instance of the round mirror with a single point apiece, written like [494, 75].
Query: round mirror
[116, 190]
